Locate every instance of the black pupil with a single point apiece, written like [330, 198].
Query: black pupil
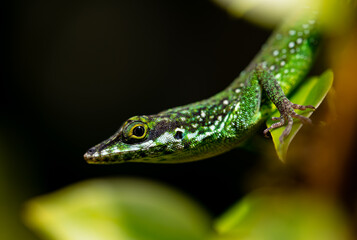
[139, 131]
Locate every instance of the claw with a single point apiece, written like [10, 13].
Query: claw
[286, 115]
[302, 107]
[303, 119]
[287, 129]
[275, 125]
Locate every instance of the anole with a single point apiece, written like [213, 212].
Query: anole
[215, 125]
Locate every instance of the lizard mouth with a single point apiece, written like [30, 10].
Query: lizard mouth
[89, 158]
[93, 157]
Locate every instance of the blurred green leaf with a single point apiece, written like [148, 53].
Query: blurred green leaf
[117, 209]
[312, 92]
[268, 13]
[262, 12]
[266, 215]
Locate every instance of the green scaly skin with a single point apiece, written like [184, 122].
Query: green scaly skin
[218, 124]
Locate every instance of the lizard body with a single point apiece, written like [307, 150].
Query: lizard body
[220, 123]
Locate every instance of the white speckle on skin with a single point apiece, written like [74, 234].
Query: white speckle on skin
[282, 63]
[203, 114]
[299, 40]
[241, 84]
[283, 50]
[305, 25]
[292, 32]
[286, 71]
[219, 118]
[183, 119]
[275, 52]
[194, 125]
[142, 145]
[292, 70]
[199, 137]
[237, 90]
[225, 102]
[212, 127]
[166, 137]
[312, 21]
[207, 134]
[180, 129]
[278, 75]
[272, 67]
[237, 106]
[291, 44]
[292, 50]
[116, 150]
[222, 124]
[192, 135]
[307, 31]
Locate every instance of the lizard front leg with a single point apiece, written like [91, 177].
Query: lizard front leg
[275, 94]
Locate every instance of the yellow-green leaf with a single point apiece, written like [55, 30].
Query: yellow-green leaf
[270, 215]
[120, 209]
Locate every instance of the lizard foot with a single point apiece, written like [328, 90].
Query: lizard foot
[286, 115]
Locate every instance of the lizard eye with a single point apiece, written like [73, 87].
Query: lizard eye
[138, 131]
[135, 131]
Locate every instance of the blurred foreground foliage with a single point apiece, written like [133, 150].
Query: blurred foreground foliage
[117, 209]
[334, 14]
[128, 209]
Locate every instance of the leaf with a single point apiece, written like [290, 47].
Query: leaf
[262, 12]
[269, 214]
[312, 92]
[117, 209]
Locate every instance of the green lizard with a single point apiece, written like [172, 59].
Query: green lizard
[220, 123]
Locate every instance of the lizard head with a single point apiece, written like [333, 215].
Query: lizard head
[140, 139]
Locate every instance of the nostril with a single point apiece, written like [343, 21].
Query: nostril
[91, 151]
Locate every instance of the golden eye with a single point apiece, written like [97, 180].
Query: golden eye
[138, 131]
